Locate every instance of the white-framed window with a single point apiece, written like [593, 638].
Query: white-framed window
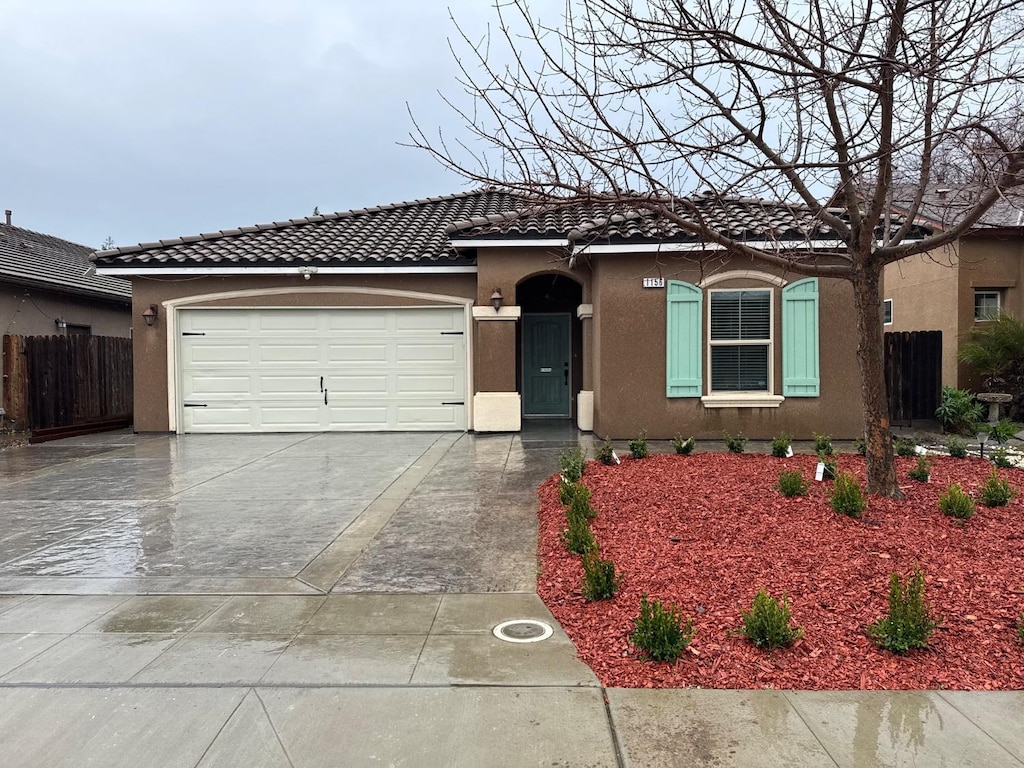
[887, 312]
[740, 349]
[986, 304]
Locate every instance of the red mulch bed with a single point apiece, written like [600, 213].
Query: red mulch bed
[707, 531]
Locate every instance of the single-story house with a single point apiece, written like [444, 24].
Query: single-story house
[477, 311]
[48, 287]
[960, 287]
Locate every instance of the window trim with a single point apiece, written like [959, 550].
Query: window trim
[998, 293]
[747, 396]
[887, 310]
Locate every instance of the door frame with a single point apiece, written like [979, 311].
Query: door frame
[522, 368]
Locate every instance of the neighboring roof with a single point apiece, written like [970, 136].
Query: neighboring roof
[738, 218]
[388, 235]
[429, 232]
[946, 204]
[33, 259]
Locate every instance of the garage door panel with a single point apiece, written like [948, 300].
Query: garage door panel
[382, 369]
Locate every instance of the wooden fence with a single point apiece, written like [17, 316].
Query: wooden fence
[913, 374]
[67, 381]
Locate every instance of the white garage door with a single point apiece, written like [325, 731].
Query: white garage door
[295, 370]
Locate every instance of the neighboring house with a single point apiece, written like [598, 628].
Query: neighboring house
[47, 288]
[957, 288]
[476, 311]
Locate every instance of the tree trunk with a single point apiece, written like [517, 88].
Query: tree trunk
[871, 358]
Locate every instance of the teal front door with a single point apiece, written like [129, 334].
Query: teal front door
[547, 355]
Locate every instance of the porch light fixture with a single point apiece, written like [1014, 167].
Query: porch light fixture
[150, 315]
[496, 299]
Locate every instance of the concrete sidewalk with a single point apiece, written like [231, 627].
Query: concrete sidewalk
[177, 602]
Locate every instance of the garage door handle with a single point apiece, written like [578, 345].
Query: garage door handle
[325, 397]
[193, 405]
[458, 402]
[321, 383]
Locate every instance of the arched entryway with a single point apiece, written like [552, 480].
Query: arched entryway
[549, 363]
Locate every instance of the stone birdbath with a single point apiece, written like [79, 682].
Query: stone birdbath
[994, 399]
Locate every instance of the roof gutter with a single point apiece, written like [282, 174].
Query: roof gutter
[305, 271]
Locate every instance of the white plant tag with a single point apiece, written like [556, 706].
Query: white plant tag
[789, 452]
[819, 472]
[615, 457]
[919, 450]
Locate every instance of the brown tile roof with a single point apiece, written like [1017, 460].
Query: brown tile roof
[426, 232]
[33, 259]
[946, 204]
[387, 235]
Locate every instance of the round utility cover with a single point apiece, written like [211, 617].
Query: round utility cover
[523, 631]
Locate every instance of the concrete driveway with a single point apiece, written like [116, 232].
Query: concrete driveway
[270, 514]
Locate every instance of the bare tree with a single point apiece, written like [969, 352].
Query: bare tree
[822, 103]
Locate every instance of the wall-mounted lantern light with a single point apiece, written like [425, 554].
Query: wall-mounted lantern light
[150, 315]
[496, 299]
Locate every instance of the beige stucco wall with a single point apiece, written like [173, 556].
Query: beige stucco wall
[629, 332]
[150, 344]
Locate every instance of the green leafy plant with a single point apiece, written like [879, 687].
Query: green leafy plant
[958, 411]
[683, 447]
[659, 632]
[1020, 628]
[829, 464]
[860, 445]
[638, 445]
[767, 623]
[566, 491]
[955, 502]
[1003, 430]
[823, 444]
[580, 505]
[735, 443]
[957, 447]
[606, 454]
[846, 497]
[577, 537]
[922, 471]
[997, 492]
[1001, 458]
[573, 462]
[909, 622]
[905, 446]
[792, 484]
[599, 579]
[781, 445]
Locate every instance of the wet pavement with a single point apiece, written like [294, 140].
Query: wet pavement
[308, 600]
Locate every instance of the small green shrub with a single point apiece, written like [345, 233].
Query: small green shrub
[955, 502]
[566, 491]
[997, 492]
[599, 579]
[830, 469]
[1020, 628]
[573, 462]
[846, 497]
[1003, 430]
[781, 445]
[578, 538]
[909, 622]
[766, 624]
[736, 443]
[922, 471]
[579, 505]
[659, 631]
[905, 446]
[638, 445]
[792, 484]
[606, 454]
[958, 411]
[860, 445]
[1001, 458]
[957, 447]
[823, 444]
[684, 447]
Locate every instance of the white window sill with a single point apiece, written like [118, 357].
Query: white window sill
[742, 400]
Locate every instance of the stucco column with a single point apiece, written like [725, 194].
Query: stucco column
[585, 400]
[496, 401]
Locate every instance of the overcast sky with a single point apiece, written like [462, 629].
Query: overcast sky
[149, 119]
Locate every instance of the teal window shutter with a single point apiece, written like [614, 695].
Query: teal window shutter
[683, 342]
[800, 377]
